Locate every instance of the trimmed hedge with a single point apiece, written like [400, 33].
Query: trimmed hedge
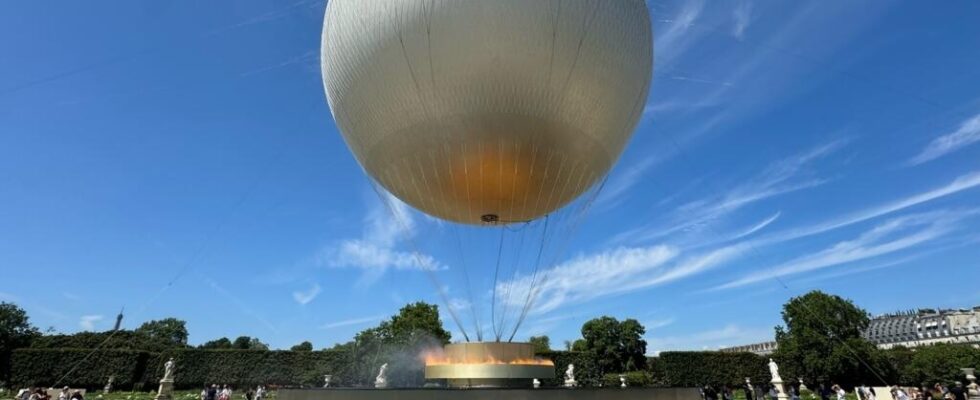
[195, 367]
[47, 367]
[586, 368]
[122, 340]
[697, 368]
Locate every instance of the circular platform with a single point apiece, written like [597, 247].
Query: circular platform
[488, 364]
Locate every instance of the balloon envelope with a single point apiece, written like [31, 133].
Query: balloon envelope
[472, 110]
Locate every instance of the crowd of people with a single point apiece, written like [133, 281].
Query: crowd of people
[224, 392]
[767, 391]
[40, 393]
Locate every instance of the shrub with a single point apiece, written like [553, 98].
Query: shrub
[586, 368]
[697, 368]
[633, 379]
[76, 367]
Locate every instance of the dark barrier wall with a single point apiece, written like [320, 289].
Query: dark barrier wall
[493, 394]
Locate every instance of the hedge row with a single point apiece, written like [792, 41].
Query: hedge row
[240, 368]
[77, 367]
[697, 368]
[195, 367]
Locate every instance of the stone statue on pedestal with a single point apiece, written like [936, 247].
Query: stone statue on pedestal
[774, 371]
[381, 381]
[622, 381]
[777, 381]
[166, 391]
[570, 376]
[168, 369]
[108, 385]
[972, 389]
[536, 383]
[326, 380]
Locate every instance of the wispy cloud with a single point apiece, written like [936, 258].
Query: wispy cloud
[310, 57]
[784, 176]
[87, 322]
[305, 296]
[623, 181]
[673, 42]
[658, 323]
[892, 236]
[376, 251]
[729, 335]
[967, 134]
[589, 276]
[961, 183]
[742, 16]
[351, 322]
[757, 227]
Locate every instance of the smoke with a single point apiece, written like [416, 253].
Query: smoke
[405, 359]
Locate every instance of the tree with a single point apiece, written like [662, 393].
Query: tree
[940, 363]
[397, 341]
[542, 344]
[223, 343]
[15, 331]
[171, 330]
[822, 342]
[256, 344]
[618, 346]
[305, 346]
[412, 321]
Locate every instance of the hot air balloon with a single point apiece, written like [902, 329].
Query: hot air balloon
[487, 111]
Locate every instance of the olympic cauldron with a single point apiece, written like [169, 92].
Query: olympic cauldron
[488, 364]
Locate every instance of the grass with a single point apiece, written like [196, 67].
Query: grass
[178, 395]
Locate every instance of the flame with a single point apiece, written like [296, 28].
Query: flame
[432, 359]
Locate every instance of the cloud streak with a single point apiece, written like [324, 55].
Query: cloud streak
[892, 236]
[967, 134]
[87, 322]
[351, 322]
[375, 252]
[303, 297]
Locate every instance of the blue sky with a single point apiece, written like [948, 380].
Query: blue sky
[179, 159]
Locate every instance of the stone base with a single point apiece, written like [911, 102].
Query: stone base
[614, 393]
[166, 391]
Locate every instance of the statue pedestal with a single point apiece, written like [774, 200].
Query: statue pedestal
[166, 391]
[780, 389]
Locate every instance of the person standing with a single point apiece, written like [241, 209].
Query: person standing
[839, 391]
[957, 391]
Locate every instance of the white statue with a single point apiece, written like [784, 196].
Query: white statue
[381, 381]
[326, 380]
[536, 383]
[622, 381]
[774, 370]
[108, 385]
[168, 370]
[570, 376]
[972, 389]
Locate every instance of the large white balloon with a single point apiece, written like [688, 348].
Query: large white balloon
[476, 110]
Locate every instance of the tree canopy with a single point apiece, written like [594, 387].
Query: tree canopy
[619, 346]
[15, 331]
[223, 343]
[822, 341]
[171, 330]
[542, 344]
[304, 346]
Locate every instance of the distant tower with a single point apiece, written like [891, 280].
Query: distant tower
[119, 319]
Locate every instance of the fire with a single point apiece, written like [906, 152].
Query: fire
[431, 359]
